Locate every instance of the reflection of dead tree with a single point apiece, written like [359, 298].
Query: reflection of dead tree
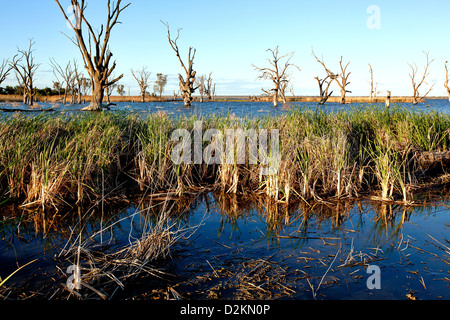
[97, 66]
[277, 73]
[142, 77]
[446, 80]
[416, 86]
[186, 84]
[25, 67]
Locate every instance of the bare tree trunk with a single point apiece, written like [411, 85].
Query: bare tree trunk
[97, 96]
[371, 83]
[25, 71]
[98, 66]
[277, 74]
[446, 81]
[324, 95]
[388, 99]
[416, 86]
[186, 86]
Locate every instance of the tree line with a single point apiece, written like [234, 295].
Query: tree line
[102, 80]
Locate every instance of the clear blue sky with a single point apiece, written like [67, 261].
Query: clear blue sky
[231, 35]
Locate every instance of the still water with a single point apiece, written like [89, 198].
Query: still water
[238, 109]
[236, 248]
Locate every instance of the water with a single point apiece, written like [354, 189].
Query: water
[238, 248]
[238, 109]
[249, 249]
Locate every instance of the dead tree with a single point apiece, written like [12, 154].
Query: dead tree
[373, 86]
[277, 73]
[200, 83]
[96, 54]
[416, 85]
[372, 91]
[78, 79]
[5, 69]
[186, 83]
[25, 67]
[65, 76]
[445, 83]
[388, 99]
[341, 79]
[209, 87]
[142, 77]
[324, 87]
[328, 80]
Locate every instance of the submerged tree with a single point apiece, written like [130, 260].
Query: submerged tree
[64, 76]
[324, 87]
[209, 87]
[200, 83]
[186, 83]
[142, 77]
[328, 80]
[96, 54]
[416, 85]
[25, 67]
[5, 69]
[341, 79]
[277, 73]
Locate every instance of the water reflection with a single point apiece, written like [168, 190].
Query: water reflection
[234, 232]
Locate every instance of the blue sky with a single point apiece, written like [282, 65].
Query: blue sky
[231, 35]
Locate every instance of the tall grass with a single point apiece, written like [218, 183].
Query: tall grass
[58, 160]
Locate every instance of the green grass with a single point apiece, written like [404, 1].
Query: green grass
[55, 160]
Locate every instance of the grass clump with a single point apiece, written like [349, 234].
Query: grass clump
[57, 160]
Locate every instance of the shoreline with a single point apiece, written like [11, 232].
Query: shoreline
[138, 99]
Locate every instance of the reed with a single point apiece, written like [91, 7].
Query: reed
[51, 161]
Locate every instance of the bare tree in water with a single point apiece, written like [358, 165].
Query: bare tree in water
[96, 54]
[25, 67]
[142, 78]
[416, 85]
[200, 83]
[341, 78]
[324, 84]
[277, 73]
[187, 82]
[64, 76]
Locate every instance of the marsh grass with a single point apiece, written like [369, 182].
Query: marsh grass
[52, 161]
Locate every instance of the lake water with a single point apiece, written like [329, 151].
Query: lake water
[239, 109]
[242, 249]
[249, 249]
